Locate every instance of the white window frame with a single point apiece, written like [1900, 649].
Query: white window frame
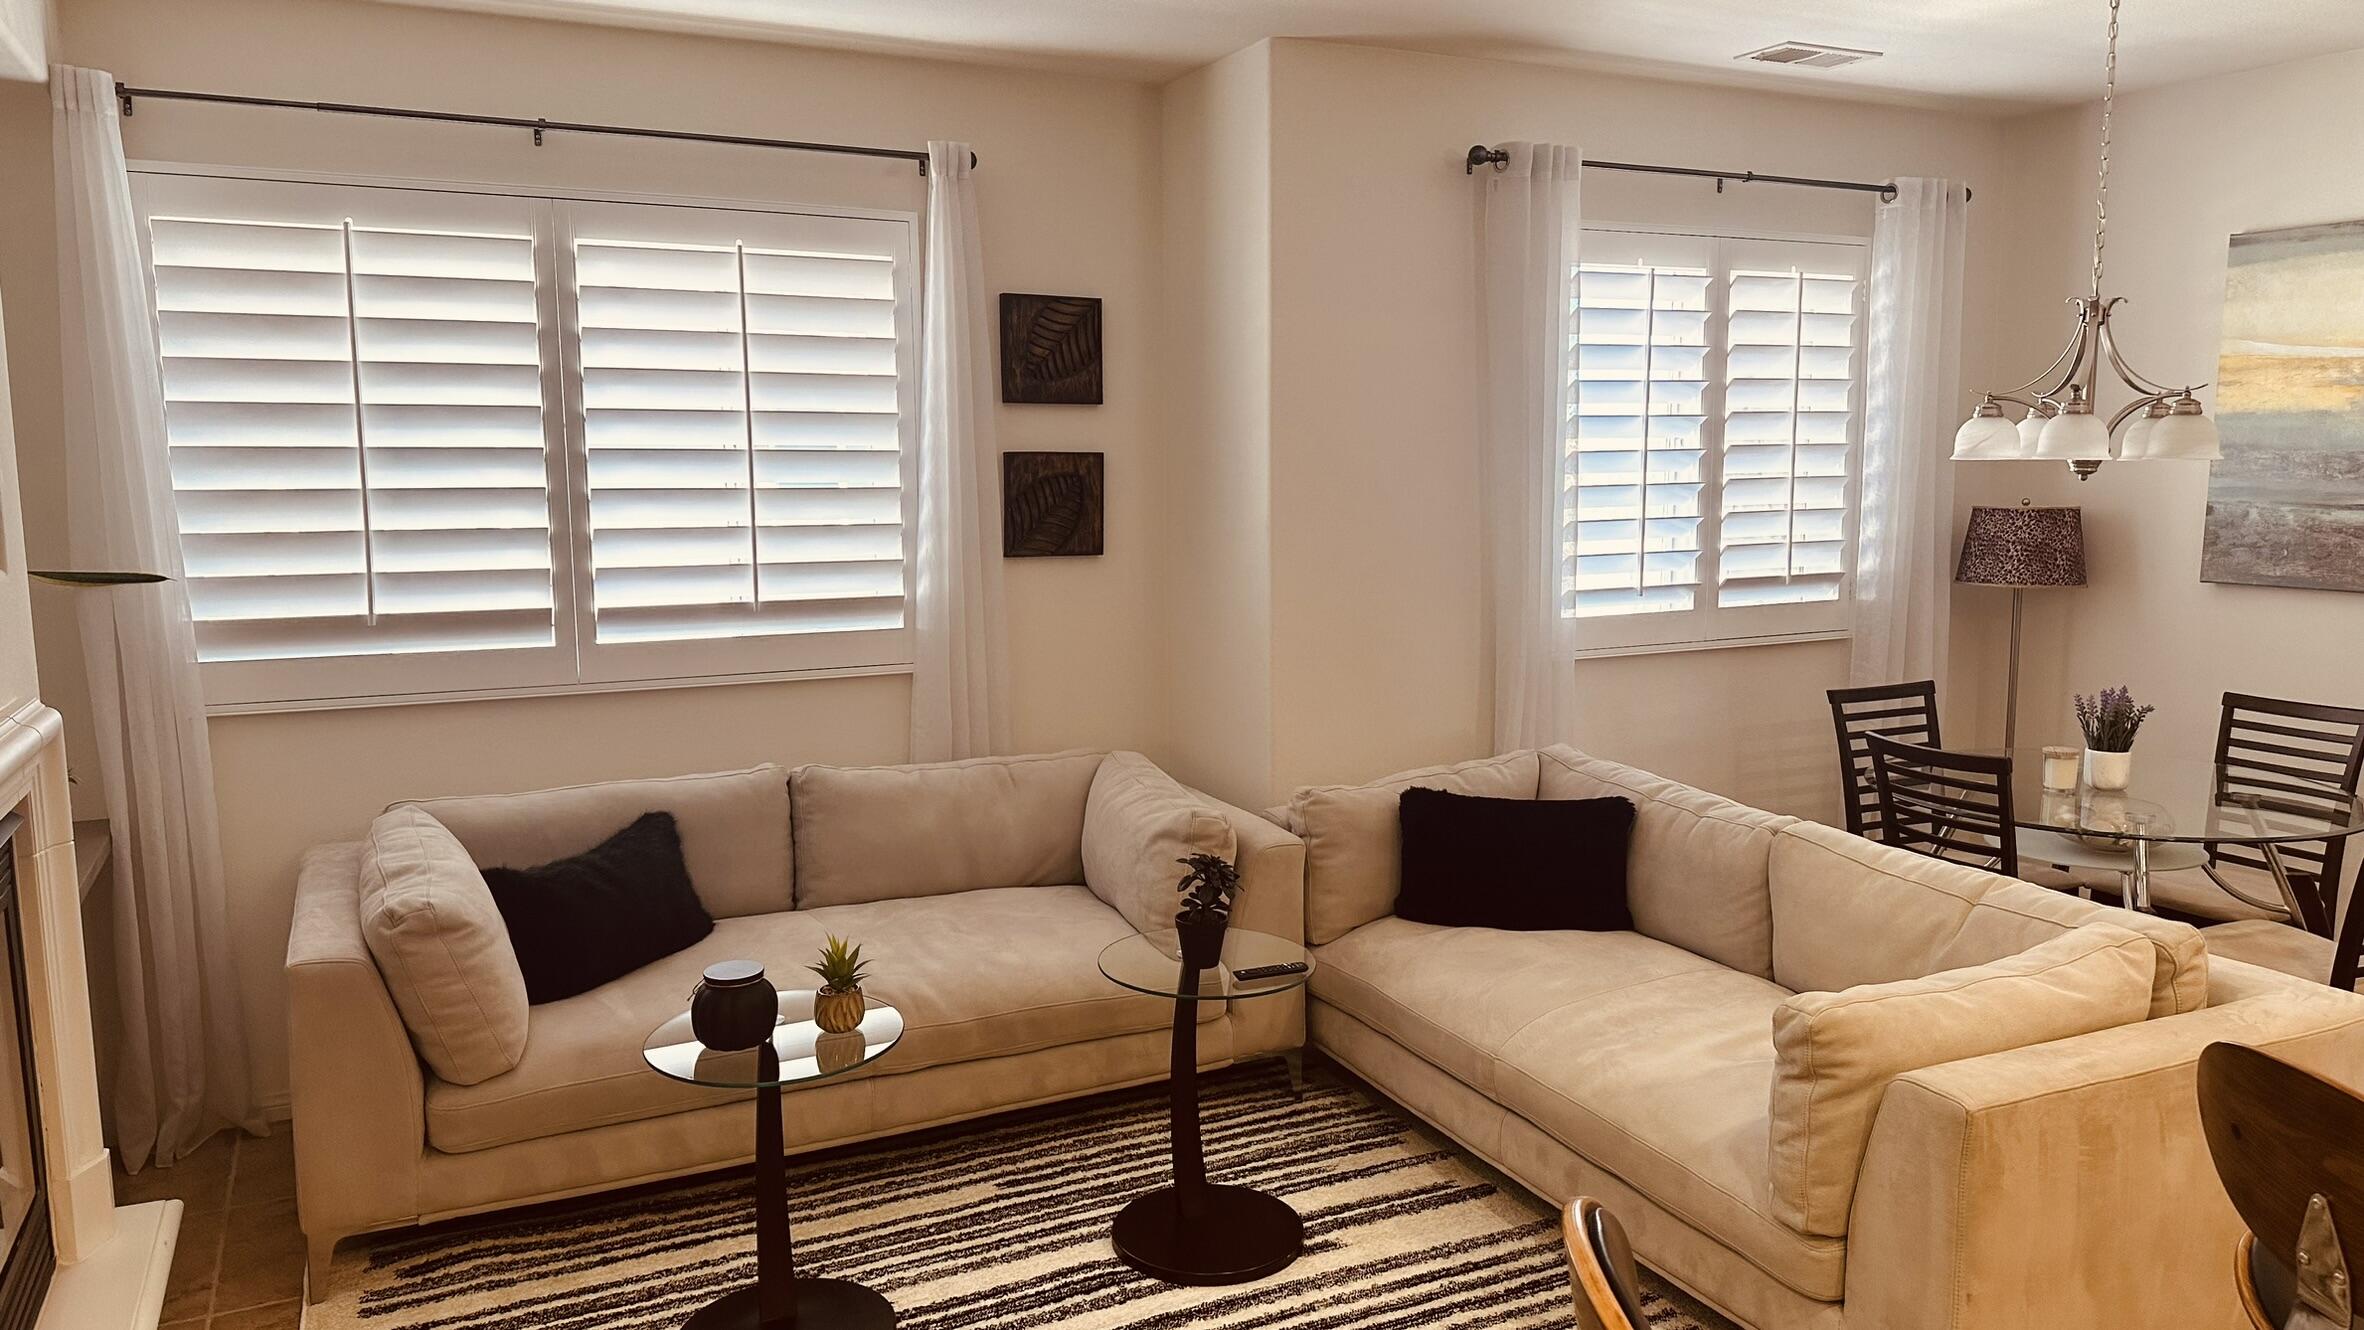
[574, 663]
[1709, 626]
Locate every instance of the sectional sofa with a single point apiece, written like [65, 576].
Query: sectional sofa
[2060, 1179]
[982, 891]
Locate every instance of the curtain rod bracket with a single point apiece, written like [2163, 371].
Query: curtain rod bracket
[123, 97]
[539, 126]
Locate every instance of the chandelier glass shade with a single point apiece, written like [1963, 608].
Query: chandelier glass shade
[2060, 420]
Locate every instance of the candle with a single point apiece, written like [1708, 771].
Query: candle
[2060, 768]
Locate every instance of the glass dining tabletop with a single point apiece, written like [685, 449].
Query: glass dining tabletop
[806, 1051]
[2181, 799]
[1152, 963]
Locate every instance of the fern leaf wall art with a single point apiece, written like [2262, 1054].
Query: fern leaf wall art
[1052, 504]
[1050, 350]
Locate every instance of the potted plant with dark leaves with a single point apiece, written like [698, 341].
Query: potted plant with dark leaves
[1206, 890]
[2109, 720]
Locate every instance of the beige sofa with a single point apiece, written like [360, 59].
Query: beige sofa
[2059, 1182]
[982, 892]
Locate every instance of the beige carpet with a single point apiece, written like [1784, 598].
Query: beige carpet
[1004, 1224]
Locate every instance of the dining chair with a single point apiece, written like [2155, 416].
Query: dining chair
[2278, 1136]
[2284, 754]
[1905, 711]
[1952, 806]
[1600, 1267]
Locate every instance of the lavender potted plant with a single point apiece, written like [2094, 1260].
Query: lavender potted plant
[1205, 913]
[2109, 721]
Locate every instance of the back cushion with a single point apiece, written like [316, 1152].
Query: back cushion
[1138, 822]
[886, 833]
[733, 824]
[1695, 874]
[1835, 1053]
[1354, 844]
[1847, 911]
[439, 942]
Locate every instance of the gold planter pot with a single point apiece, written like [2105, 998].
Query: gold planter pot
[838, 1012]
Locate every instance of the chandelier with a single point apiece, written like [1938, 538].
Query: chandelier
[2060, 423]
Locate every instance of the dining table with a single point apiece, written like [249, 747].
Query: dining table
[2170, 799]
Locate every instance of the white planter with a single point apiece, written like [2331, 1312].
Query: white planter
[2108, 771]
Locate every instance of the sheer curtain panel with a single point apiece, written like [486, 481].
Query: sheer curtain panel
[1912, 403]
[960, 671]
[182, 1071]
[1530, 211]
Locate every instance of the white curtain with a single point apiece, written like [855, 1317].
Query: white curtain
[1530, 211]
[1912, 404]
[960, 692]
[182, 1073]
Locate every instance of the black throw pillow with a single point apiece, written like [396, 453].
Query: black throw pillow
[1524, 864]
[600, 915]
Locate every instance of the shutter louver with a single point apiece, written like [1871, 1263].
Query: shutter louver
[355, 420]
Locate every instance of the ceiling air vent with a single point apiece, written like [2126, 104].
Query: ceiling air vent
[1808, 55]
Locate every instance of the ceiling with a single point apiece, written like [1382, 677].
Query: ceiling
[1997, 53]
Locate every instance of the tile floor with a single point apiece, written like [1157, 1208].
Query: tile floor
[240, 1264]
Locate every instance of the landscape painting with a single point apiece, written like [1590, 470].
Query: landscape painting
[2286, 504]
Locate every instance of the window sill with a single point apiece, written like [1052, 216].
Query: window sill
[1714, 644]
[558, 690]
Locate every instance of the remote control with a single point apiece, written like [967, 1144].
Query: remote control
[1268, 971]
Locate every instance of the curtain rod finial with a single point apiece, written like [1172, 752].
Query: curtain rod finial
[1480, 154]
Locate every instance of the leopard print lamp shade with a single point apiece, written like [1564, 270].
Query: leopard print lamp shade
[2023, 547]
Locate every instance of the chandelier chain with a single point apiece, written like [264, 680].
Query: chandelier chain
[2101, 195]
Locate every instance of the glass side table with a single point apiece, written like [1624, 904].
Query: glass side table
[799, 1051]
[1195, 1231]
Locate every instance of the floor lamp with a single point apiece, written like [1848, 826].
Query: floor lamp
[2021, 548]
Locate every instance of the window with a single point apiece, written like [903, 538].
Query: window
[1716, 387]
[431, 441]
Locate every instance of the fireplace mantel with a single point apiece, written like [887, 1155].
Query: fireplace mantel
[112, 1260]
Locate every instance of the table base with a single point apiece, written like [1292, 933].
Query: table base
[821, 1304]
[1234, 1235]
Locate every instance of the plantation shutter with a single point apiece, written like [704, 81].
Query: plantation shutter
[1716, 386]
[746, 401]
[354, 402]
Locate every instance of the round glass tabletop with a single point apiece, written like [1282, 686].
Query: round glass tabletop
[806, 1051]
[2170, 799]
[1152, 963]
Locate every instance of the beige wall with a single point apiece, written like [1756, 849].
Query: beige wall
[2191, 165]
[1069, 194]
[1379, 653]
[17, 682]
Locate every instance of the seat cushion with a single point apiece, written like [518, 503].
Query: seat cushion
[1848, 911]
[1835, 1053]
[733, 825]
[1665, 1084]
[1139, 823]
[431, 924]
[1354, 845]
[976, 975]
[888, 833]
[1696, 872]
[1456, 996]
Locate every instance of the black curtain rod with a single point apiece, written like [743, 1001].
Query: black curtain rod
[1481, 155]
[127, 95]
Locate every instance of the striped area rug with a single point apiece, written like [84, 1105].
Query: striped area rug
[1004, 1223]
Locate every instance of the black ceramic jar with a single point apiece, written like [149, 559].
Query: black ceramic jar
[734, 1007]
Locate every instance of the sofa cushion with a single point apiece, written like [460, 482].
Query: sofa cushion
[1527, 864]
[1138, 823]
[880, 833]
[977, 975]
[1835, 1053]
[594, 917]
[437, 937]
[1353, 844]
[1848, 911]
[1696, 870]
[733, 825]
[1455, 996]
[1665, 1085]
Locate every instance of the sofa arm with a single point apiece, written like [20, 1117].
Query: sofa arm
[359, 1096]
[2069, 1183]
[1271, 900]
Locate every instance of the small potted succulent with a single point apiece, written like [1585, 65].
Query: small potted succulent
[1206, 890]
[838, 1007]
[2109, 720]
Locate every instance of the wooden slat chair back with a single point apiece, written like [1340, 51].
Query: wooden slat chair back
[2282, 754]
[1600, 1266]
[1906, 711]
[1953, 806]
[2283, 1141]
